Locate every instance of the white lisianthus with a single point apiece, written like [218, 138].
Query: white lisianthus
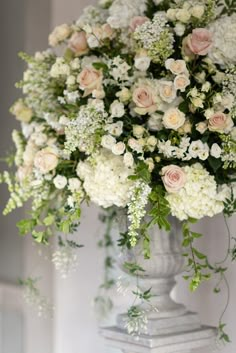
[46, 160]
[21, 111]
[124, 95]
[167, 91]
[142, 61]
[108, 141]
[215, 150]
[171, 14]
[135, 145]
[117, 109]
[173, 119]
[179, 29]
[201, 127]
[115, 129]
[106, 179]
[206, 87]
[118, 148]
[128, 160]
[198, 149]
[150, 163]
[197, 102]
[60, 181]
[209, 112]
[183, 15]
[138, 131]
[74, 184]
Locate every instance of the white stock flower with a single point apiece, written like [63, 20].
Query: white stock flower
[60, 181]
[106, 179]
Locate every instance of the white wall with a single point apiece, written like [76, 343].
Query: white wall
[75, 327]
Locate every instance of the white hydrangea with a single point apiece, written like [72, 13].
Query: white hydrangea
[223, 51]
[106, 179]
[122, 11]
[198, 197]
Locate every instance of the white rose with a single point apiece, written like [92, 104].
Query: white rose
[60, 181]
[74, 184]
[183, 15]
[177, 67]
[198, 11]
[197, 102]
[181, 82]
[209, 112]
[138, 131]
[29, 153]
[128, 160]
[22, 112]
[179, 29]
[46, 160]
[117, 109]
[152, 141]
[118, 148]
[142, 63]
[171, 14]
[215, 150]
[115, 129]
[39, 138]
[135, 145]
[206, 87]
[108, 141]
[167, 91]
[173, 119]
[59, 34]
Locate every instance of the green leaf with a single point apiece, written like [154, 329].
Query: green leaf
[100, 66]
[26, 226]
[199, 255]
[133, 267]
[40, 237]
[142, 172]
[49, 220]
[215, 163]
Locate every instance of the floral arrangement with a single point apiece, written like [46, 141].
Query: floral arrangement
[133, 104]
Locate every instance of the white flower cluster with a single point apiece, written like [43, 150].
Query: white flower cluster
[92, 15]
[81, 132]
[65, 260]
[138, 195]
[223, 51]
[122, 11]
[106, 179]
[156, 38]
[198, 197]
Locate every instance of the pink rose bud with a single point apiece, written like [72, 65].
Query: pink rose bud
[137, 21]
[199, 42]
[78, 43]
[173, 177]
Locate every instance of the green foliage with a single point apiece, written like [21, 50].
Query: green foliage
[101, 66]
[141, 172]
[223, 336]
[227, 6]
[124, 240]
[160, 209]
[146, 295]
[230, 205]
[26, 226]
[133, 268]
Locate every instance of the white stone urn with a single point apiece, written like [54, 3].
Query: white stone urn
[170, 328]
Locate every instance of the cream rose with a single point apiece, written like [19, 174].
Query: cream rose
[46, 160]
[22, 112]
[167, 91]
[90, 80]
[78, 43]
[173, 119]
[137, 21]
[144, 99]
[181, 82]
[118, 148]
[177, 67]
[200, 41]
[173, 177]
[59, 34]
[201, 127]
[220, 122]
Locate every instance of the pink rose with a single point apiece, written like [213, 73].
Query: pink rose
[220, 122]
[90, 80]
[137, 21]
[78, 43]
[173, 177]
[145, 100]
[199, 42]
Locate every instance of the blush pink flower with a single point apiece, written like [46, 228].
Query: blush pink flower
[199, 42]
[220, 122]
[90, 80]
[137, 21]
[144, 99]
[78, 43]
[173, 177]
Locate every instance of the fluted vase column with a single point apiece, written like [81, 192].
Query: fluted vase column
[171, 328]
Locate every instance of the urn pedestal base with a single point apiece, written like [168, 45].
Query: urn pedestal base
[178, 342]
